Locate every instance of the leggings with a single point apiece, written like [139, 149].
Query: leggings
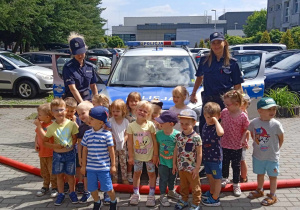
[235, 157]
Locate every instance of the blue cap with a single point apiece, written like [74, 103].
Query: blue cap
[100, 113]
[167, 116]
[188, 113]
[266, 103]
[77, 46]
[216, 36]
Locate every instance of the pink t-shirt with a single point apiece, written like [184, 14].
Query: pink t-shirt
[233, 129]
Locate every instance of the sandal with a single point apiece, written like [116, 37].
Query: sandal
[242, 180]
[269, 200]
[255, 194]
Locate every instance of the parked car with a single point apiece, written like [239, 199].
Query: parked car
[277, 56]
[264, 47]
[64, 50]
[113, 51]
[100, 52]
[22, 77]
[120, 51]
[195, 51]
[99, 61]
[200, 54]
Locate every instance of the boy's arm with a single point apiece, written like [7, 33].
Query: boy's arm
[83, 161]
[74, 139]
[281, 139]
[36, 146]
[155, 149]
[111, 151]
[219, 128]
[175, 160]
[79, 149]
[39, 128]
[130, 149]
[196, 170]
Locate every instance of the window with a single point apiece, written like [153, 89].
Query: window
[286, 11]
[271, 9]
[296, 6]
[6, 65]
[168, 37]
[126, 37]
[278, 6]
[249, 64]
[42, 59]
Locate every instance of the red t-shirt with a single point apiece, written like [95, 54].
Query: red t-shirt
[44, 151]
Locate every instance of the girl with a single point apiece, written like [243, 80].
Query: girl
[180, 94]
[142, 148]
[235, 124]
[119, 125]
[100, 100]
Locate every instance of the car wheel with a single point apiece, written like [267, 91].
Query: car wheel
[26, 89]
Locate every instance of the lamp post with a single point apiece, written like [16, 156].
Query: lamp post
[215, 18]
[235, 25]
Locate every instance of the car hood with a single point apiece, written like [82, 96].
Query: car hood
[37, 69]
[271, 71]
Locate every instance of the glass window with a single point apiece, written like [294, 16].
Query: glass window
[296, 6]
[17, 60]
[286, 12]
[6, 65]
[168, 37]
[40, 58]
[249, 64]
[288, 63]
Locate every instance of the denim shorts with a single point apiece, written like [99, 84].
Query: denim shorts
[64, 163]
[263, 166]
[213, 168]
[103, 177]
[138, 166]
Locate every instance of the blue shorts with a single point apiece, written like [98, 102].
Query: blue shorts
[103, 177]
[263, 166]
[213, 168]
[64, 163]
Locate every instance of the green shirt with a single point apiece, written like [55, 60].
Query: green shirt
[166, 147]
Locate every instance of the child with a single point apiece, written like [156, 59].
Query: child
[142, 148]
[119, 125]
[64, 132]
[267, 135]
[83, 110]
[156, 110]
[235, 124]
[180, 94]
[187, 159]
[212, 153]
[166, 144]
[98, 157]
[100, 100]
[45, 154]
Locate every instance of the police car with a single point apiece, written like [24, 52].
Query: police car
[154, 68]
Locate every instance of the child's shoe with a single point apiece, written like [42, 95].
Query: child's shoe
[150, 201]
[194, 207]
[181, 204]
[173, 194]
[60, 198]
[66, 187]
[106, 199]
[225, 182]
[164, 201]
[269, 200]
[206, 195]
[97, 206]
[73, 197]
[80, 188]
[242, 180]
[113, 205]
[135, 199]
[237, 190]
[42, 191]
[85, 197]
[256, 194]
[54, 193]
[211, 202]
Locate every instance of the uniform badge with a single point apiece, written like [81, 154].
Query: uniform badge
[76, 44]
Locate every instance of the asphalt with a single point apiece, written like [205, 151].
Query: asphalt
[18, 188]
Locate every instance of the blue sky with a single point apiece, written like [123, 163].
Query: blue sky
[116, 10]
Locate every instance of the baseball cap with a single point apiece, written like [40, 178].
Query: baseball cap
[188, 113]
[216, 36]
[266, 103]
[167, 116]
[77, 46]
[100, 113]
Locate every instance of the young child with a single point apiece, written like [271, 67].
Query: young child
[83, 110]
[156, 110]
[212, 153]
[98, 157]
[187, 160]
[166, 144]
[64, 132]
[100, 100]
[180, 94]
[267, 135]
[235, 124]
[142, 148]
[45, 154]
[119, 125]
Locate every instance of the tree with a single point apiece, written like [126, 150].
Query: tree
[208, 44]
[296, 36]
[115, 41]
[265, 38]
[202, 44]
[275, 35]
[257, 22]
[232, 40]
[256, 38]
[196, 45]
[287, 39]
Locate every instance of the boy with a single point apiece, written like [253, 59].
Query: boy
[166, 140]
[188, 156]
[64, 132]
[267, 135]
[98, 157]
[212, 153]
[42, 122]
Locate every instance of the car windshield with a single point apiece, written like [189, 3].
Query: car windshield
[288, 62]
[17, 60]
[153, 71]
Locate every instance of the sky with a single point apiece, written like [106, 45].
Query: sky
[116, 10]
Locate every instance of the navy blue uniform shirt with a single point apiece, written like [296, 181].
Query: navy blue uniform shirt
[218, 78]
[82, 77]
[212, 150]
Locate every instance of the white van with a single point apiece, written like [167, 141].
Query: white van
[263, 47]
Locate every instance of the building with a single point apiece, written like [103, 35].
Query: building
[283, 14]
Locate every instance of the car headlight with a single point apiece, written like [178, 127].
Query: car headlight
[44, 76]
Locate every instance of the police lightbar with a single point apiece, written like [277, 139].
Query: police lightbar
[156, 43]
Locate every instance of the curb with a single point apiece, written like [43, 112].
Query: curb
[18, 106]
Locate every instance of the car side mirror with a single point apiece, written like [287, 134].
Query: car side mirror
[1, 66]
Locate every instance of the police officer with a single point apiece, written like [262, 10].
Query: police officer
[79, 75]
[219, 73]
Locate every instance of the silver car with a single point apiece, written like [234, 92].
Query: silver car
[23, 78]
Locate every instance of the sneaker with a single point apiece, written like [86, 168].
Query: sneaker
[80, 188]
[113, 206]
[181, 204]
[42, 191]
[211, 202]
[157, 181]
[85, 197]
[60, 198]
[150, 201]
[106, 199]
[97, 206]
[134, 200]
[206, 195]
[164, 201]
[194, 207]
[73, 197]
[173, 194]
[225, 182]
[54, 193]
[66, 187]
[237, 190]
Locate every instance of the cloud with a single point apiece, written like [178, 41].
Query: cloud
[163, 10]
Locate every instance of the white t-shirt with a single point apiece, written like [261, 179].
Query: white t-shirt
[177, 111]
[118, 131]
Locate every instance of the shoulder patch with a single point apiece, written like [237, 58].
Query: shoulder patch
[233, 59]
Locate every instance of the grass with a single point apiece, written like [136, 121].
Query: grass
[19, 101]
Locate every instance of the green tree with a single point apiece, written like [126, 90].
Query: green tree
[196, 45]
[115, 41]
[256, 38]
[202, 44]
[296, 36]
[208, 44]
[275, 35]
[232, 40]
[265, 38]
[257, 22]
[287, 39]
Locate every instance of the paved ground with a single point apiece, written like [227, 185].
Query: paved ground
[17, 188]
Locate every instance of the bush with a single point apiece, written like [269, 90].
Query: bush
[50, 98]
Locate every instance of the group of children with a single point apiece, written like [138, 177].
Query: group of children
[137, 132]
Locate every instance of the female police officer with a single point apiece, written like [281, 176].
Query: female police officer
[218, 72]
[79, 75]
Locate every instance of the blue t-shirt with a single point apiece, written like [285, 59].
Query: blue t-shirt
[218, 78]
[97, 143]
[211, 148]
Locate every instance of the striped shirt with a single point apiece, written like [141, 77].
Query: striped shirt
[97, 143]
